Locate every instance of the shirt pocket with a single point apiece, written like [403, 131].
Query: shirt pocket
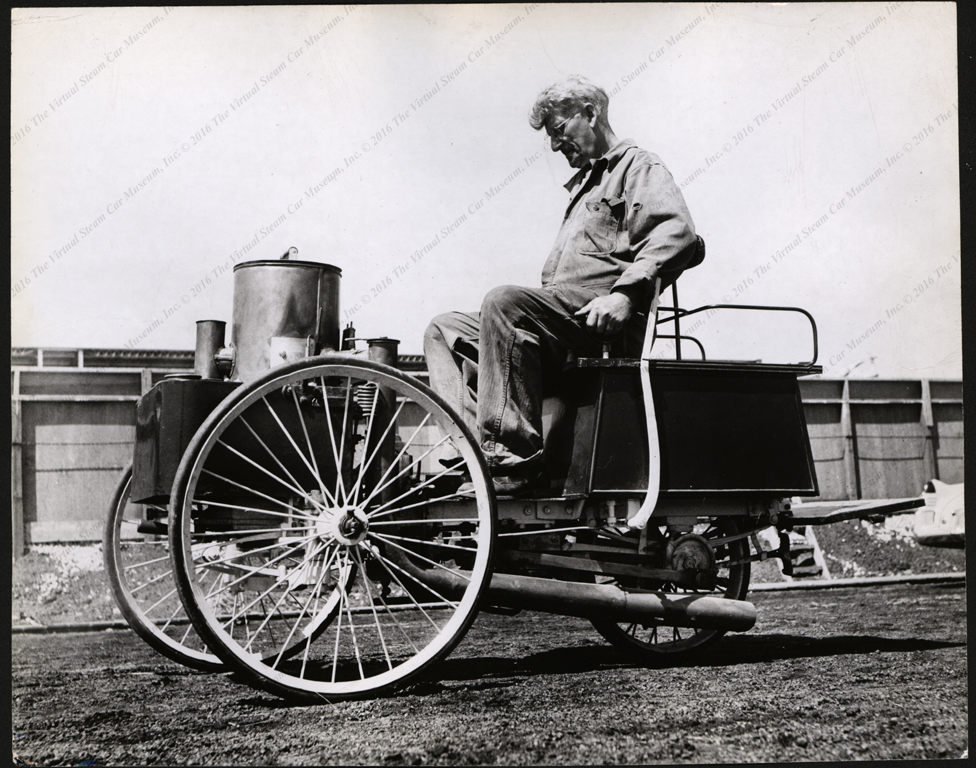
[601, 223]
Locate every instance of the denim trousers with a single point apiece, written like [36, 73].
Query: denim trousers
[495, 367]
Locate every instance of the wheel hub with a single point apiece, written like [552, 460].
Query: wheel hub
[348, 526]
[691, 552]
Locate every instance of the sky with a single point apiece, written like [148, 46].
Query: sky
[815, 144]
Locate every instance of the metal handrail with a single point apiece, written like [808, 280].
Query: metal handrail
[689, 338]
[678, 312]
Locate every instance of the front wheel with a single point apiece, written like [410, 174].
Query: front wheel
[728, 561]
[348, 562]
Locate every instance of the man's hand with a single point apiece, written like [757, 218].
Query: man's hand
[606, 315]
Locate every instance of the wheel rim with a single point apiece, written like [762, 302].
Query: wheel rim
[733, 583]
[141, 576]
[326, 525]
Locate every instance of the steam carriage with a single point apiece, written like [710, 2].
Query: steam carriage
[288, 516]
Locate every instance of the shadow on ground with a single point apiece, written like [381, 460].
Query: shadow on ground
[486, 672]
[732, 651]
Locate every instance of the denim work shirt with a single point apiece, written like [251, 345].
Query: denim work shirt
[626, 224]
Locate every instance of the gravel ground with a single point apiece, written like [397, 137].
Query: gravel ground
[875, 673]
[872, 673]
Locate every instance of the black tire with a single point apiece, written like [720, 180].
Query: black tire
[300, 488]
[140, 574]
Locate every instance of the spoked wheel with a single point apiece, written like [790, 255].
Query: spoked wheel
[348, 563]
[141, 576]
[702, 548]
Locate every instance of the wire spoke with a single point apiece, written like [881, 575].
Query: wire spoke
[144, 563]
[383, 561]
[396, 621]
[312, 596]
[198, 550]
[271, 453]
[427, 587]
[308, 441]
[161, 600]
[376, 449]
[352, 634]
[369, 597]
[294, 445]
[460, 574]
[299, 512]
[277, 582]
[381, 487]
[426, 520]
[293, 488]
[369, 432]
[423, 503]
[279, 601]
[152, 581]
[396, 461]
[335, 653]
[340, 485]
[546, 530]
[254, 569]
[388, 536]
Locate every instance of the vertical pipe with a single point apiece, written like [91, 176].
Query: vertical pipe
[210, 339]
[677, 322]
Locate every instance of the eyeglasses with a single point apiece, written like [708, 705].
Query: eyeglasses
[557, 133]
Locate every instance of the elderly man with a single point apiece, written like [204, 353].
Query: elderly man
[626, 225]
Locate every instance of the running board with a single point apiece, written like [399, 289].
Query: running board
[826, 512]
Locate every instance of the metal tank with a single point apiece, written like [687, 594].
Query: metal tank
[283, 311]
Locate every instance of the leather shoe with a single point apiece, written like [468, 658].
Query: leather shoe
[454, 463]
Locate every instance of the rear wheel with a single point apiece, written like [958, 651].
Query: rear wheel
[349, 562]
[704, 547]
[140, 574]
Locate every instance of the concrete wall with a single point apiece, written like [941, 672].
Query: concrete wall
[73, 427]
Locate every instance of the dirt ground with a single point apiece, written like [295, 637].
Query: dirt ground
[850, 674]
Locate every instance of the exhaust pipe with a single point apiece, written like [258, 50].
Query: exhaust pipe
[602, 601]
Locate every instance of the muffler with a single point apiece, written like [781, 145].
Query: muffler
[601, 601]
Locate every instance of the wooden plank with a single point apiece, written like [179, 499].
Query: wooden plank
[81, 398]
[931, 459]
[891, 444]
[851, 489]
[60, 531]
[83, 434]
[16, 477]
[74, 382]
[81, 457]
[72, 496]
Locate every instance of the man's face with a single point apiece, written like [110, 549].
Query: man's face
[572, 134]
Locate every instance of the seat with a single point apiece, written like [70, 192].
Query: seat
[557, 439]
